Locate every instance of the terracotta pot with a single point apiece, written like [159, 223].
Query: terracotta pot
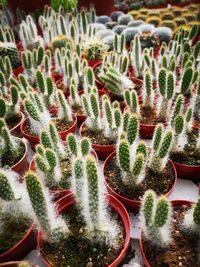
[103, 151]
[68, 200]
[34, 140]
[27, 5]
[130, 204]
[147, 130]
[21, 166]
[16, 129]
[103, 7]
[175, 203]
[22, 248]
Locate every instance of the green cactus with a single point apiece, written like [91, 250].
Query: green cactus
[64, 107]
[45, 139]
[2, 108]
[123, 153]
[196, 213]
[126, 120]
[148, 90]
[37, 197]
[177, 108]
[31, 110]
[165, 145]
[117, 117]
[186, 81]
[85, 146]
[138, 165]
[95, 106]
[157, 137]
[6, 192]
[133, 129]
[142, 149]
[55, 139]
[108, 113]
[157, 214]
[41, 164]
[131, 100]
[196, 109]
[72, 144]
[178, 125]
[78, 174]
[93, 190]
[51, 159]
[162, 81]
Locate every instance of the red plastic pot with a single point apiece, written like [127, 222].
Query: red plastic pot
[68, 200]
[103, 7]
[187, 172]
[18, 71]
[147, 130]
[130, 204]
[175, 203]
[16, 129]
[22, 248]
[21, 166]
[103, 151]
[28, 6]
[93, 62]
[34, 140]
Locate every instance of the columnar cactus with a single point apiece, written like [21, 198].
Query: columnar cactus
[64, 110]
[77, 179]
[196, 108]
[148, 91]
[177, 108]
[158, 161]
[157, 216]
[137, 61]
[132, 130]
[10, 146]
[119, 44]
[53, 226]
[131, 100]
[186, 81]
[6, 191]
[78, 148]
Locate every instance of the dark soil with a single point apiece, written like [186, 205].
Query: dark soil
[97, 138]
[160, 184]
[148, 116]
[76, 250]
[190, 155]
[183, 249]
[12, 231]
[9, 159]
[60, 126]
[13, 121]
[78, 110]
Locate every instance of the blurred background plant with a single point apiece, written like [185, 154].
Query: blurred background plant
[69, 5]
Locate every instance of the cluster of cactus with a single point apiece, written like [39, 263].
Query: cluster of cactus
[156, 213]
[31, 61]
[115, 81]
[29, 35]
[111, 119]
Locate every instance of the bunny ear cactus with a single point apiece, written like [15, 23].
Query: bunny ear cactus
[157, 216]
[53, 226]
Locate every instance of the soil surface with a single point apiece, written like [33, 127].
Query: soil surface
[78, 110]
[190, 155]
[12, 158]
[148, 116]
[183, 249]
[78, 251]
[12, 231]
[97, 138]
[160, 184]
[13, 121]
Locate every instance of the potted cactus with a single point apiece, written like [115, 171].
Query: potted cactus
[185, 152]
[155, 105]
[135, 168]
[53, 159]
[103, 126]
[169, 231]
[13, 151]
[19, 240]
[39, 117]
[85, 221]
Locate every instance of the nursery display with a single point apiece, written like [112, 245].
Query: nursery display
[99, 115]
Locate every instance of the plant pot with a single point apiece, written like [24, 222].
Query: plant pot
[93, 62]
[68, 200]
[18, 71]
[34, 139]
[147, 130]
[22, 248]
[21, 166]
[187, 172]
[175, 203]
[103, 7]
[103, 151]
[27, 5]
[130, 204]
[16, 129]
